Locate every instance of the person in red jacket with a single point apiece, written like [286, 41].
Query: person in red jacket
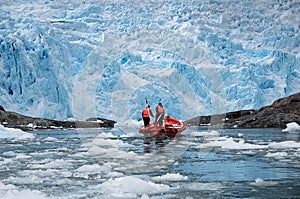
[146, 114]
[160, 114]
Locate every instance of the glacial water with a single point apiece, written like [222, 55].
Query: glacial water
[112, 163]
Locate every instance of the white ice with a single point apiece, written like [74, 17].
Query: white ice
[231, 143]
[11, 192]
[261, 183]
[13, 133]
[277, 155]
[284, 144]
[171, 177]
[204, 133]
[131, 186]
[292, 127]
[77, 57]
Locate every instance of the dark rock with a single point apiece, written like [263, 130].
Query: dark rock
[108, 123]
[1, 108]
[15, 120]
[277, 115]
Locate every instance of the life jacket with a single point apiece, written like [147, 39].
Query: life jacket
[146, 112]
[160, 109]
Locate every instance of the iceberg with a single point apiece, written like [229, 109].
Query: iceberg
[292, 127]
[12, 133]
[75, 59]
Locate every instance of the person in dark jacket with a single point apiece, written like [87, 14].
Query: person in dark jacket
[146, 114]
[160, 114]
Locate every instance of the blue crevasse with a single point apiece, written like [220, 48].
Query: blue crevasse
[195, 57]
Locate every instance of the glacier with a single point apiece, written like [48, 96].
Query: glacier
[80, 59]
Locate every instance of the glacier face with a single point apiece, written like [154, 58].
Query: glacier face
[81, 59]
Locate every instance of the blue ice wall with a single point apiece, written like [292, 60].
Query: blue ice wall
[196, 57]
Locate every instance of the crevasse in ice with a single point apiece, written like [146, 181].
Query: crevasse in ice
[103, 58]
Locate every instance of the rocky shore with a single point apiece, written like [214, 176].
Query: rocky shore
[276, 115]
[26, 123]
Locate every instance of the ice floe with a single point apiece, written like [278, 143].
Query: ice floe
[11, 192]
[231, 143]
[109, 166]
[131, 186]
[292, 127]
[110, 143]
[12, 133]
[171, 177]
[261, 183]
[276, 155]
[204, 133]
[95, 168]
[284, 144]
[106, 135]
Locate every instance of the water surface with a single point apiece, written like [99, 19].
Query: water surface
[112, 163]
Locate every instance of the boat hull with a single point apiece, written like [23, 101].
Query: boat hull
[171, 128]
[151, 130]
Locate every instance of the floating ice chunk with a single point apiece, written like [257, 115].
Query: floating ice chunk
[106, 135]
[14, 133]
[261, 182]
[145, 196]
[285, 144]
[110, 143]
[54, 164]
[23, 156]
[32, 179]
[25, 136]
[11, 192]
[131, 134]
[112, 153]
[115, 174]
[134, 186]
[51, 139]
[230, 143]
[204, 133]
[172, 177]
[5, 161]
[292, 127]
[95, 168]
[276, 155]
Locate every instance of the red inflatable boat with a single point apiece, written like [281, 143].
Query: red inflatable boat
[171, 128]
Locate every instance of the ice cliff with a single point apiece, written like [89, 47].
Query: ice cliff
[61, 59]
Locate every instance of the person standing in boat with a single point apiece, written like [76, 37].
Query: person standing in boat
[160, 114]
[146, 114]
